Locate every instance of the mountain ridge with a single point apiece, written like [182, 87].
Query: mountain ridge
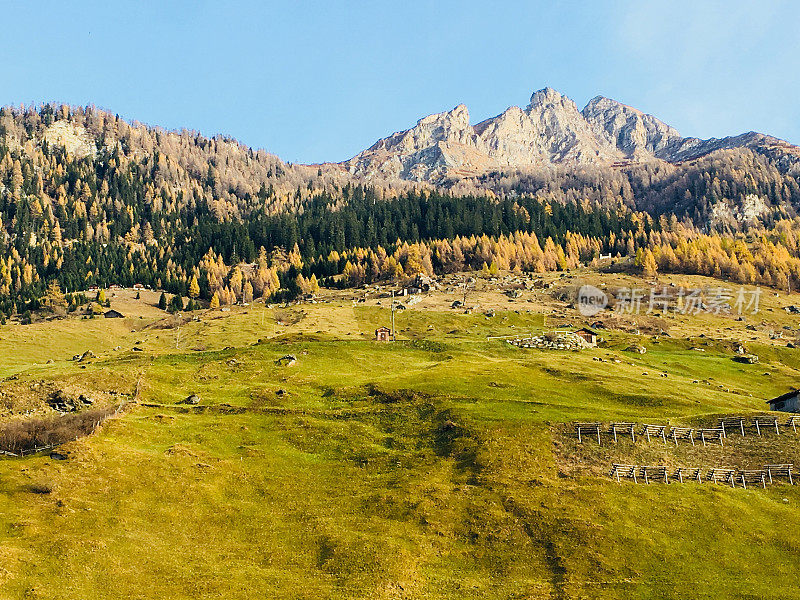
[550, 131]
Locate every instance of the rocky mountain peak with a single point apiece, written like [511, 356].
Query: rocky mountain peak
[458, 118]
[548, 97]
[550, 131]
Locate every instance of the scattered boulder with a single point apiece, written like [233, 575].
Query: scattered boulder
[194, 400]
[424, 283]
[749, 359]
[62, 402]
[286, 361]
[638, 349]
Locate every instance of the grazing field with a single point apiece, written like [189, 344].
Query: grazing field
[438, 466]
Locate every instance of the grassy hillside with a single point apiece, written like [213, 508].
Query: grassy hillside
[439, 466]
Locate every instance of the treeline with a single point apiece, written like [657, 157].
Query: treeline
[358, 219]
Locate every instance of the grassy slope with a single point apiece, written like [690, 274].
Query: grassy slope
[385, 471]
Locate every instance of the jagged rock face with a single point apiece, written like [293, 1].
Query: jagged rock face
[423, 153]
[637, 135]
[549, 131]
[689, 148]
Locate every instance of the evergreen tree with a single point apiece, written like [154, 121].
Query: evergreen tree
[176, 303]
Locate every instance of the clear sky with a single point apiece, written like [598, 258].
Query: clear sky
[316, 81]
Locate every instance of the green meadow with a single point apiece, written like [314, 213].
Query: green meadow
[438, 466]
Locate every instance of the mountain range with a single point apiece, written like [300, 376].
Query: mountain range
[550, 131]
[88, 198]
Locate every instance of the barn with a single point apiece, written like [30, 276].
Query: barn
[113, 314]
[383, 334]
[589, 336]
[788, 402]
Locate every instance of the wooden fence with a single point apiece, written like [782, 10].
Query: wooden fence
[733, 477]
[761, 424]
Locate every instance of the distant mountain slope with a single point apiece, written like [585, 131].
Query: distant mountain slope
[550, 131]
[179, 166]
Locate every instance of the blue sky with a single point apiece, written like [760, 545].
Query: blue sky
[316, 81]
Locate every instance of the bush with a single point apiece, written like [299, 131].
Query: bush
[26, 434]
[429, 345]
[42, 487]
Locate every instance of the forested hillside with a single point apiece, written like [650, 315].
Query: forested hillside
[86, 198]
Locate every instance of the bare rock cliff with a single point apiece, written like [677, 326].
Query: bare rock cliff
[550, 131]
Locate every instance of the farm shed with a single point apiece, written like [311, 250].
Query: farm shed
[788, 402]
[588, 335]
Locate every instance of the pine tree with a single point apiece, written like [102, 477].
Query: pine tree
[176, 303]
[162, 301]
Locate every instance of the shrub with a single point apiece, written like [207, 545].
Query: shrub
[26, 434]
[41, 487]
[429, 345]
